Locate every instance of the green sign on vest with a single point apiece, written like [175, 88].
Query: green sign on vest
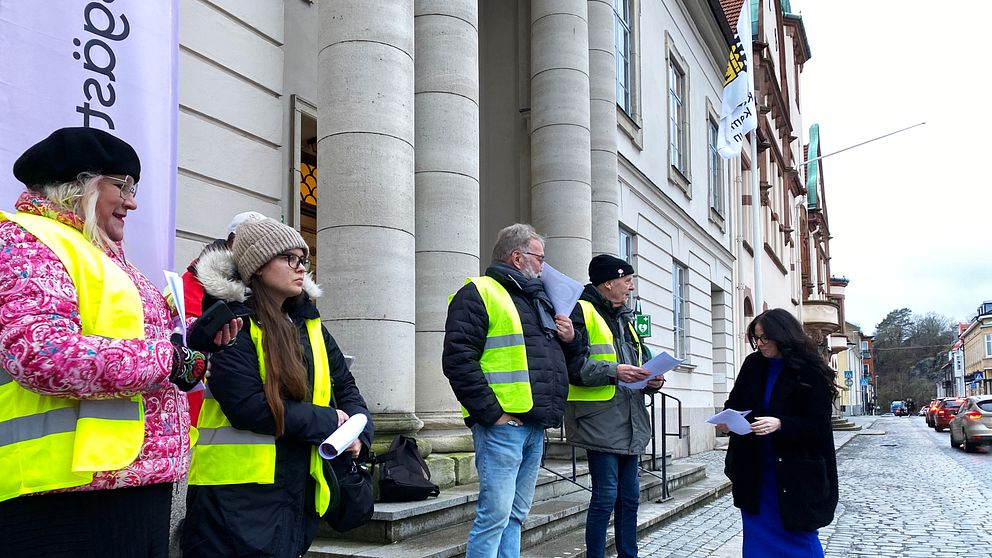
[642, 323]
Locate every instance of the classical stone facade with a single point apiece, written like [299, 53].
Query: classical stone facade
[400, 136]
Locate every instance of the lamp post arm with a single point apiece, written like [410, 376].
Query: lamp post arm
[860, 144]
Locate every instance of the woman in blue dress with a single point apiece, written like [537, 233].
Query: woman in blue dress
[784, 472]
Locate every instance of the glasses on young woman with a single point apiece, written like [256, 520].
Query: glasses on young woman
[295, 261]
[126, 185]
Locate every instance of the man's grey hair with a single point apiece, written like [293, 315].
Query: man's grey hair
[515, 237]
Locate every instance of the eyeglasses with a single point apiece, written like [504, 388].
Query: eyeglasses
[760, 339]
[126, 185]
[295, 261]
[540, 257]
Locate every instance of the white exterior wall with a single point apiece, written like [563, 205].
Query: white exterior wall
[231, 127]
[671, 225]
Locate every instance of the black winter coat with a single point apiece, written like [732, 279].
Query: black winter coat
[277, 519]
[804, 455]
[464, 339]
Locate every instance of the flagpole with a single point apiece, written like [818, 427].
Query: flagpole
[757, 245]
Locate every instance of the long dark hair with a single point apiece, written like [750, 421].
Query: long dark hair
[798, 350]
[285, 371]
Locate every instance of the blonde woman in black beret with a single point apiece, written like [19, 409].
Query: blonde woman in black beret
[256, 484]
[94, 429]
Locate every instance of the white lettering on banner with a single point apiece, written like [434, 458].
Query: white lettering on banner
[104, 65]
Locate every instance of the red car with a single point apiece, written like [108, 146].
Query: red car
[946, 410]
[931, 409]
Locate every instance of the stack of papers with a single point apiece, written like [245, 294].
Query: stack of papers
[734, 420]
[657, 366]
[563, 291]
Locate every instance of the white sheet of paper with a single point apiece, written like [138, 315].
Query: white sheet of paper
[175, 284]
[733, 419]
[657, 366]
[340, 439]
[562, 290]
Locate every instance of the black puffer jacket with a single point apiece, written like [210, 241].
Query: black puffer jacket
[464, 339]
[804, 457]
[254, 519]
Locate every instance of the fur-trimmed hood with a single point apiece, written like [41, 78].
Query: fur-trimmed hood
[218, 273]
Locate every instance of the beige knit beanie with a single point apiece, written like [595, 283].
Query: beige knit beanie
[256, 241]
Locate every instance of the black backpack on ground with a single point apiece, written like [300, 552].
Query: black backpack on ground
[403, 474]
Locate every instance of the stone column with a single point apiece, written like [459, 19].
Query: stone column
[447, 162]
[559, 132]
[365, 212]
[603, 128]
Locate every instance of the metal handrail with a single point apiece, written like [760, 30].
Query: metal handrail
[665, 493]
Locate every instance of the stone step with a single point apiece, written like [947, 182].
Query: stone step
[560, 510]
[651, 515]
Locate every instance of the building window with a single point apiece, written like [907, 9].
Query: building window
[622, 40]
[626, 246]
[679, 290]
[715, 174]
[678, 118]
[988, 345]
[864, 346]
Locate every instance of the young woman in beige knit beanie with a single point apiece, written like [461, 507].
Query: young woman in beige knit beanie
[256, 486]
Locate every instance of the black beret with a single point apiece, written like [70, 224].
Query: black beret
[69, 151]
[604, 267]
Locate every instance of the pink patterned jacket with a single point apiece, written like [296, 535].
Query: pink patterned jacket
[42, 349]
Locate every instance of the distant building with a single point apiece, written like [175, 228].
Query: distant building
[977, 344]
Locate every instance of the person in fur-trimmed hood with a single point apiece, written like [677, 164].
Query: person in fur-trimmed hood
[254, 488]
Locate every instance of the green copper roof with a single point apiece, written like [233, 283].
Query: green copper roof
[812, 167]
[787, 6]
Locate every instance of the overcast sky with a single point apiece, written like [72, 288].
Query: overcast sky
[910, 215]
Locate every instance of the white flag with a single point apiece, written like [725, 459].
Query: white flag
[738, 115]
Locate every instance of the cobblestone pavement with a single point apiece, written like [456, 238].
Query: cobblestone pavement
[904, 493]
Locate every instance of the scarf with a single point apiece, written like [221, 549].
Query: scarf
[533, 289]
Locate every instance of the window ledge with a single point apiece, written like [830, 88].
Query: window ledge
[630, 127]
[717, 219]
[685, 367]
[683, 182]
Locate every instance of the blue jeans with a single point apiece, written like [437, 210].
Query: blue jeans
[507, 458]
[615, 488]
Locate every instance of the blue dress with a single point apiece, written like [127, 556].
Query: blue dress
[764, 535]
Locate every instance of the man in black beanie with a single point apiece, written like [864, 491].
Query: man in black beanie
[605, 418]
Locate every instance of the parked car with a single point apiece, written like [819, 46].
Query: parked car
[972, 426]
[931, 409]
[923, 411]
[898, 408]
[946, 410]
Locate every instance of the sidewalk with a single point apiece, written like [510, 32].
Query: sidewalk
[722, 517]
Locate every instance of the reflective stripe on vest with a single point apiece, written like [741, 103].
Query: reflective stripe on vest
[47, 443]
[601, 347]
[504, 356]
[226, 455]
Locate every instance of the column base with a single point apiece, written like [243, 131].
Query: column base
[390, 425]
[446, 432]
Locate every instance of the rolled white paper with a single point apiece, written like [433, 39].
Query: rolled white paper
[340, 439]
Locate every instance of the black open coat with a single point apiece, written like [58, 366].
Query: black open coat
[804, 457]
[276, 519]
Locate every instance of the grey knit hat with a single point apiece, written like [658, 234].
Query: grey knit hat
[256, 241]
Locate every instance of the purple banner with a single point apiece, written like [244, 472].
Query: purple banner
[103, 64]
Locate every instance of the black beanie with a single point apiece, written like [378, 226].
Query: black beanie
[604, 267]
[69, 151]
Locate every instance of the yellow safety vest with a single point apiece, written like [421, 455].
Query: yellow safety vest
[504, 357]
[226, 455]
[47, 443]
[600, 348]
